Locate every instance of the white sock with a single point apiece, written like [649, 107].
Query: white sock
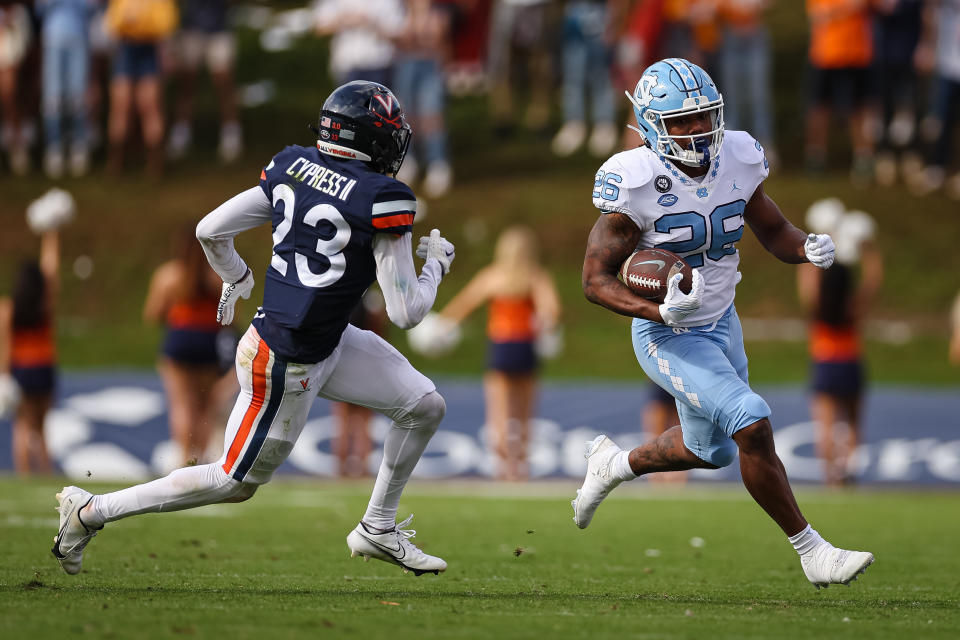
[620, 466]
[806, 541]
[401, 451]
[183, 489]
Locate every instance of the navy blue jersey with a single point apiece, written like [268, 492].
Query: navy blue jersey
[325, 214]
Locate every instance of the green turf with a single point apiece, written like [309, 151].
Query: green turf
[278, 567]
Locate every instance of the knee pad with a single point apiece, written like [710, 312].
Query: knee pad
[749, 409]
[723, 455]
[427, 413]
[207, 479]
[243, 492]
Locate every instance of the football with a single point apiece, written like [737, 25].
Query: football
[648, 271]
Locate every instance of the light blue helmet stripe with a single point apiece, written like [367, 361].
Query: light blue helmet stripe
[685, 72]
[693, 80]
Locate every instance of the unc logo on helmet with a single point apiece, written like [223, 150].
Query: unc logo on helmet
[644, 90]
[364, 121]
[675, 88]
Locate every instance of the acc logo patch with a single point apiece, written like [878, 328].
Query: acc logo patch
[667, 200]
[662, 184]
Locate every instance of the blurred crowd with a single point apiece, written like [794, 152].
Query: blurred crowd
[883, 73]
[74, 73]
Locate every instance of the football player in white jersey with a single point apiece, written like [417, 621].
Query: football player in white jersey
[691, 189]
[340, 222]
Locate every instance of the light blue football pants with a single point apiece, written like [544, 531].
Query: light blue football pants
[705, 369]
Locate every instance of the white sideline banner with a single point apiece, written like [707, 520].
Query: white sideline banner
[113, 427]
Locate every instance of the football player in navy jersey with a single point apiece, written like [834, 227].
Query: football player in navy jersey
[340, 221]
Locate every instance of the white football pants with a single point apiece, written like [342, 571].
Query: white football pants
[275, 398]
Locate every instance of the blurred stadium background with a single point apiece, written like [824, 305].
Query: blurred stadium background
[109, 422]
[125, 224]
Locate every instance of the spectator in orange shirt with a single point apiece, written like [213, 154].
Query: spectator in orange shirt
[840, 56]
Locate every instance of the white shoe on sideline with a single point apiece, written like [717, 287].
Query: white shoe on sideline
[231, 142]
[70, 541]
[395, 547]
[79, 161]
[438, 179]
[181, 137]
[53, 162]
[598, 482]
[603, 140]
[20, 160]
[570, 138]
[409, 171]
[827, 565]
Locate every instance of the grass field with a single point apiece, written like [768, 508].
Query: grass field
[277, 567]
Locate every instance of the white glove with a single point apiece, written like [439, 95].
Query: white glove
[436, 246]
[51, 210]
[819, 250]
[229, 295]
[549, 342]
[434, 336]
[9, 394]
[677, 305]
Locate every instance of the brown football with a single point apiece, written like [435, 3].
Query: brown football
[648, 271]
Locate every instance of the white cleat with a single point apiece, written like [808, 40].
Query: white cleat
[598, 482]
[827, 565]
[73, 536]
[394, 547]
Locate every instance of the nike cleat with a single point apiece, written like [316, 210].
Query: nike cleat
[598, 482]
[827, 565]
[394, 547]
[73, 536]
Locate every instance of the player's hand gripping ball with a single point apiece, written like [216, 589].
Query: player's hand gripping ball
[648, 271]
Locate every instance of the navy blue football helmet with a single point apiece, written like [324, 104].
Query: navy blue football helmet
[673, 88]
[363, 120]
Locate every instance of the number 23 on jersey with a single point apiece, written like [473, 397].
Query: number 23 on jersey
[284, 250]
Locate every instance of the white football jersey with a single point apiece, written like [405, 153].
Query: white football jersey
[700, 220]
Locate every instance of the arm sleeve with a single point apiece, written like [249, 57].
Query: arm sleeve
[246, 210]
[408, 298]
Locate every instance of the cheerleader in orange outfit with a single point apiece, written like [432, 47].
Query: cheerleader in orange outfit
[28, 353]
[523, 305]
[183, 295]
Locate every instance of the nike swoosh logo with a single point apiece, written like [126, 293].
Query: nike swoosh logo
[660, 263]
[393, 552]
[56, 543]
